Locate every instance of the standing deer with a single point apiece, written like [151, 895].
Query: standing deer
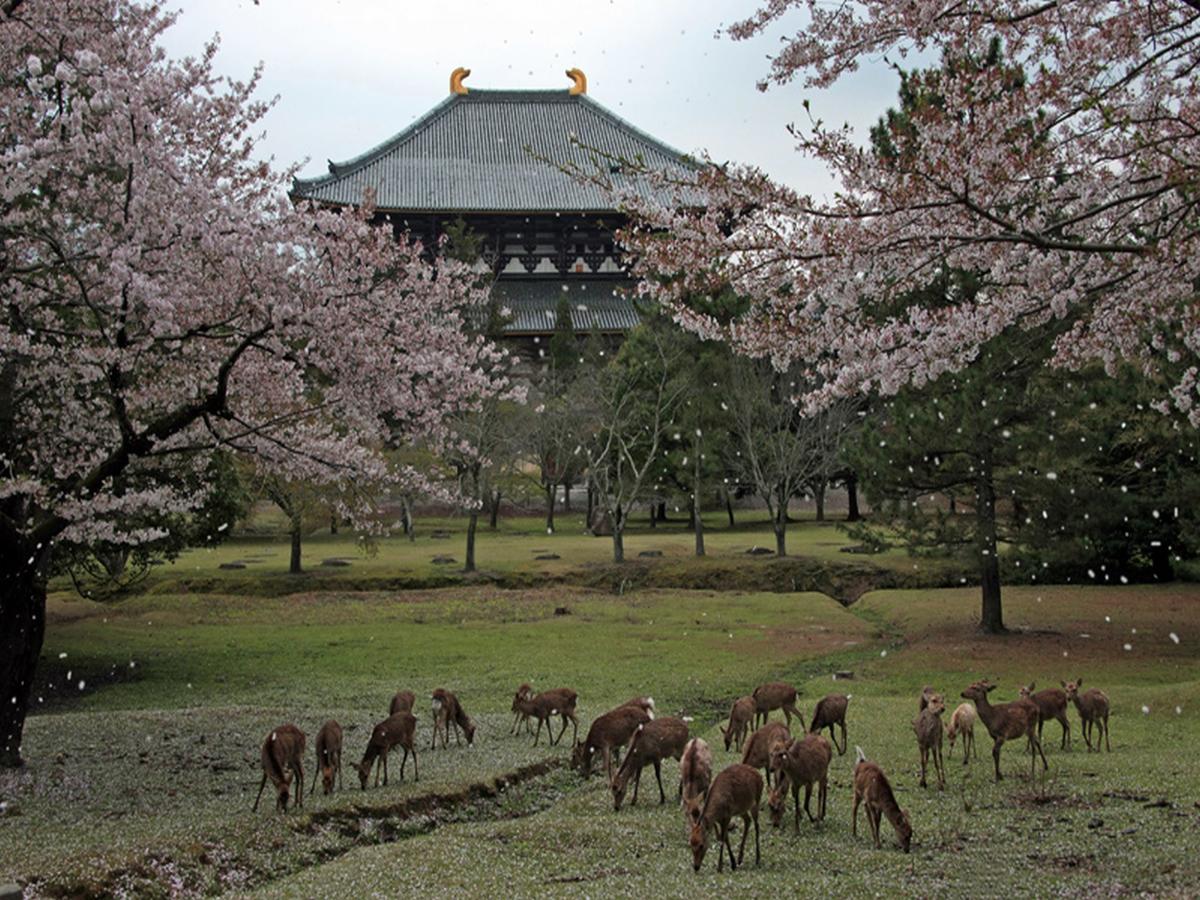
[652, 743]
[830, 711]
[524, 692]
[736, 791]
[447, 713]
[608, 733]
[404, 701]
[398, 729]
[962, 722]
[1093, 711]
[764, 742]
[928, 728]
[329, 756]
[803, 762]
[739, 722]
[1051, 704]
[547, 704]
[695, 775]
[1005, 722]
[872, 789]
[282, 759]
[775, 695]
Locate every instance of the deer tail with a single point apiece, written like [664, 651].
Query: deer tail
[859, 756]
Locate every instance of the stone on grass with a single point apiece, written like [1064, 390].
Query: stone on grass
[444, 560]
[759, 551]
[235, 564]
[650, 554]
[547, 556]
[335, 562]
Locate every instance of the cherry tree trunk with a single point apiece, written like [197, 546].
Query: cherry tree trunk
[591, 504]
[566, 486]
[697, 520]
[618, 535]
[294, 566]
[551, 490]
[22, 629]
[729, 509]
[819, 499]
[852, 513]
[779, 523]
[991, 619]
[494, 512]
[472, 522]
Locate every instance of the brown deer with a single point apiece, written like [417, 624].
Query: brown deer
[962, 722]
[646, 704]
[524, 692]
[329, 756]
[739, 722]
[1093, 711]
[871, 788]
[764, 742]
[928, 728]
[404, 701]
[398, 729]
[282, 759]
[775, 695]
[544, 706]
[830, 711]
[1051, 704]
[736, 791]
[1005, 722]
[805, 761]
[653, 742]
[926, 692]
[608, 733]
[695, 775]
[447, 713]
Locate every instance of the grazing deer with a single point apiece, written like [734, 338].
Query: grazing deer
[546, 705]
[1005, 722]
[404, 701]
[608, 733]
[739, 722]
[962, 721]
[282, 758]
[447, 713]
[928, 728]
[772, 696]
[695, 775]
[830, 711]
[736, 791]
[398, 729]
[805, 761]
[524, 692]
[1051, 704]
[329, 756]
[646, 704]
[871, 788]
[764, 742]
[652, 743]
[1093, 711]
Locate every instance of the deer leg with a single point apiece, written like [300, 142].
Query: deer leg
[637, 780]
[562, 730]
[996, 756]
[386, 753]
[1042, 754]
[924, 754]
[1107, 745]
[539, 732]
[941, 765]
[822, 797]
[300, 783]
[853, 816]
[262, 784]
[808, 801]
[662, 797]
[842, 749]
[757, 854]
[873, 816]
[796, 806]
[745, 834]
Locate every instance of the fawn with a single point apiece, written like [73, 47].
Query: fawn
[737, 791]
[764, 742]
[928, 728]
[775, 695]
[524, 692]
[1051, 704]
[830, 711]
[447, 712]
[1093, 711]
[739, 722]
[805, 761]
[962, 722]
[652, 743]
[397, 729]
[695, 775]
[872, 789]
[282, 758]
[404, 701]
[608, 733]
[329, 756]
[543, 706]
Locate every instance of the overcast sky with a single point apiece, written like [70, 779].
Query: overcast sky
[351, 73]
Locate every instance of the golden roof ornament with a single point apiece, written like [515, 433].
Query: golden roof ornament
[456, 80]
[580, 81]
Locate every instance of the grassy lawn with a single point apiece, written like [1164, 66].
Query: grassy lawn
[143, 779]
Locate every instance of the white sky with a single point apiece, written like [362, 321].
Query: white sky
[351, 73]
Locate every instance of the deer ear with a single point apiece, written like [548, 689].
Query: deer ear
[1078, 682]
[1063, 683]
[990, 688]
[1032, 685]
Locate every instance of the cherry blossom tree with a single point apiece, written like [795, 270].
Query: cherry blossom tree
[1056, 153]
[162, 297]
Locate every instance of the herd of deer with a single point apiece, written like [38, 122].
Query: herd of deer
[710, 804]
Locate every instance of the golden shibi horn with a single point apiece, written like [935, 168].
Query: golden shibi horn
[579, 79]
[456, 80]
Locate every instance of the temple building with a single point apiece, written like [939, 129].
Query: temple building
[494, 159]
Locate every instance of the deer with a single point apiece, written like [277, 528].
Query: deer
[608, 733]
[764, 742]
[558, 702]
[646, 704]
[736, 791]
[739, 722]
[962, 721]
[653, 742]
[1051, 704]
[447, 712]
[1005, 722]
[872, 789]
[329, 756]
[775, 695]
[926, 692]
[695, 775]
[830, 711]
[805, 761]
[928, 728]
[282, 760]
[404, 701]
[1093, 711]
[398, 729]
[524, 692]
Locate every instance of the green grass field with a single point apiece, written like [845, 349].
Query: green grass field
[140, 783]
